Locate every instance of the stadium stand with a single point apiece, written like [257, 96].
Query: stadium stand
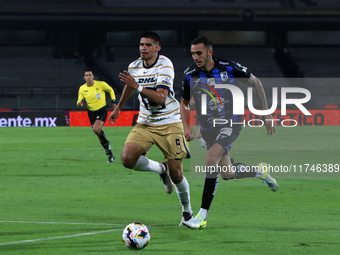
[321, 66]
[244, 4]
[38, 73]
[317, 61]
[48, 2]
[198, 3]
[32, 73]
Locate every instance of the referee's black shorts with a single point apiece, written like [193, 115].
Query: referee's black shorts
[100, 114]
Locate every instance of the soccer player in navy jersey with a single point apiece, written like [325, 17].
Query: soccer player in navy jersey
[201, 78]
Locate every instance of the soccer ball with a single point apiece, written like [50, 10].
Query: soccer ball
[136, 236]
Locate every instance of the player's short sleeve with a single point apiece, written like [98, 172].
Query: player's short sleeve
[186, 88]
[240, 71]
[166, 75]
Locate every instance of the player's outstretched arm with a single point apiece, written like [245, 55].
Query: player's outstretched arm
[268, 119]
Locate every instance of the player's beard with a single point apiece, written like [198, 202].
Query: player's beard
[146, 57]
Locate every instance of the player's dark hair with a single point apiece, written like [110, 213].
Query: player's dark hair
[203, 39]
[88, 70]
[152, 35]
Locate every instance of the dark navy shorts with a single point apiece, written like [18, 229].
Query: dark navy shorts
[224, 136]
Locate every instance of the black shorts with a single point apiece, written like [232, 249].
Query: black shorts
[224, 136]
[100, 114]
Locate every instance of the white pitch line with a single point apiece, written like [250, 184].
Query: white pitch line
[60, 237]
[61, 223]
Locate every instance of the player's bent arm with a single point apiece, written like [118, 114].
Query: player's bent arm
[126, 94]
[257, 85]
[109, 89]
[114, 106]
[157, 96]
[80, 103]
[185, 115]
[268, 119]
[185, 112]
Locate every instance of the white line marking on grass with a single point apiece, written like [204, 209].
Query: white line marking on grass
[61, 223]
[60, 237]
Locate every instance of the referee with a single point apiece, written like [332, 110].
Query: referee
[93, 92]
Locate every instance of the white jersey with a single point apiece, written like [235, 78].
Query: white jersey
[160, 75]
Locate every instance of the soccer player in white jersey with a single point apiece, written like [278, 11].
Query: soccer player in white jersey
[159, 120]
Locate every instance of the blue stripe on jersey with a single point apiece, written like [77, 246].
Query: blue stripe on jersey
[230, 74]
[188, 80]
[232, 82]
[220, 92]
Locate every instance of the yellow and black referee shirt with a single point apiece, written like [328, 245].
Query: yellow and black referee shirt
[95, 95]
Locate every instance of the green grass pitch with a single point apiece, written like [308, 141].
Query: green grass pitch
[59, 196]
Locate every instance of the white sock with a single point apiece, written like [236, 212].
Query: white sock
[203, 143]
[183, 193]
[203, 213]
[259, 173]
[145, 164]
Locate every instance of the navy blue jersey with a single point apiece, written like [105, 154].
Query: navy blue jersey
[219, 101]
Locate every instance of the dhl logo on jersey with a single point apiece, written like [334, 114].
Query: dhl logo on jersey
[146, 80]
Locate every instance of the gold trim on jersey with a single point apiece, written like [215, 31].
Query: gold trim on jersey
[141, 67]
[173, 101]
[150, 84]
[140, 116]
[137, 67]
[165, 75]
[146, 75]
[166, 67]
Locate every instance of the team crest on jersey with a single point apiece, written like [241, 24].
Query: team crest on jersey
[98, 96]
[224, 76]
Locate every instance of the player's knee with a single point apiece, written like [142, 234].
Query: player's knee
[227, 175]
[176, 175]
[176, 171]
[127, 160]
[211, 160]
[97, 130]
